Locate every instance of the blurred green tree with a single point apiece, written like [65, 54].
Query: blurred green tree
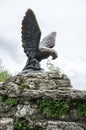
[4, 74]
[52, 67]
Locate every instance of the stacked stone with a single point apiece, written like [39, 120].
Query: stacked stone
[43, 81]
[19, 97]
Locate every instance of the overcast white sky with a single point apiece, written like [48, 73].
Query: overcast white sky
[66, 17]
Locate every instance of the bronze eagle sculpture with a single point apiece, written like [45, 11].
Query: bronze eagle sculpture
[34, 49]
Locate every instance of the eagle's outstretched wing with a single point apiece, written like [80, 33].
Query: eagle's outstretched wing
[30, 34]
[48, 41]
[45, 47]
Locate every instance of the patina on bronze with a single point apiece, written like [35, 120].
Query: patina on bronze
[34, 49]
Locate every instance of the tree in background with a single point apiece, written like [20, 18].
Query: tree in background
[4, 74]
[52, 67]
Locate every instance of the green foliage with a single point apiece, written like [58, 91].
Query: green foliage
[56, 108]
[53, 108]
[1, 98]
[11, 101]
[1, 111]
[81, 109]
[22, 125]
[19, 125]
[52, 67]
[24, 85]
[4, 74]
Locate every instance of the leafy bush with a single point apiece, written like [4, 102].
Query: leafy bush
[53, 108]
[56, 108]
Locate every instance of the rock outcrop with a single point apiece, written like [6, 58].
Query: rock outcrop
[41, 101]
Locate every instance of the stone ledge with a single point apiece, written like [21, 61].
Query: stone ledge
[45, 94]
[60, 125]
[7, 124]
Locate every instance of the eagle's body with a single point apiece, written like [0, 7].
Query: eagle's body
[34, 49]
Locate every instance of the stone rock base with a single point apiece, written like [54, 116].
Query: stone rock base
[41, 101]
